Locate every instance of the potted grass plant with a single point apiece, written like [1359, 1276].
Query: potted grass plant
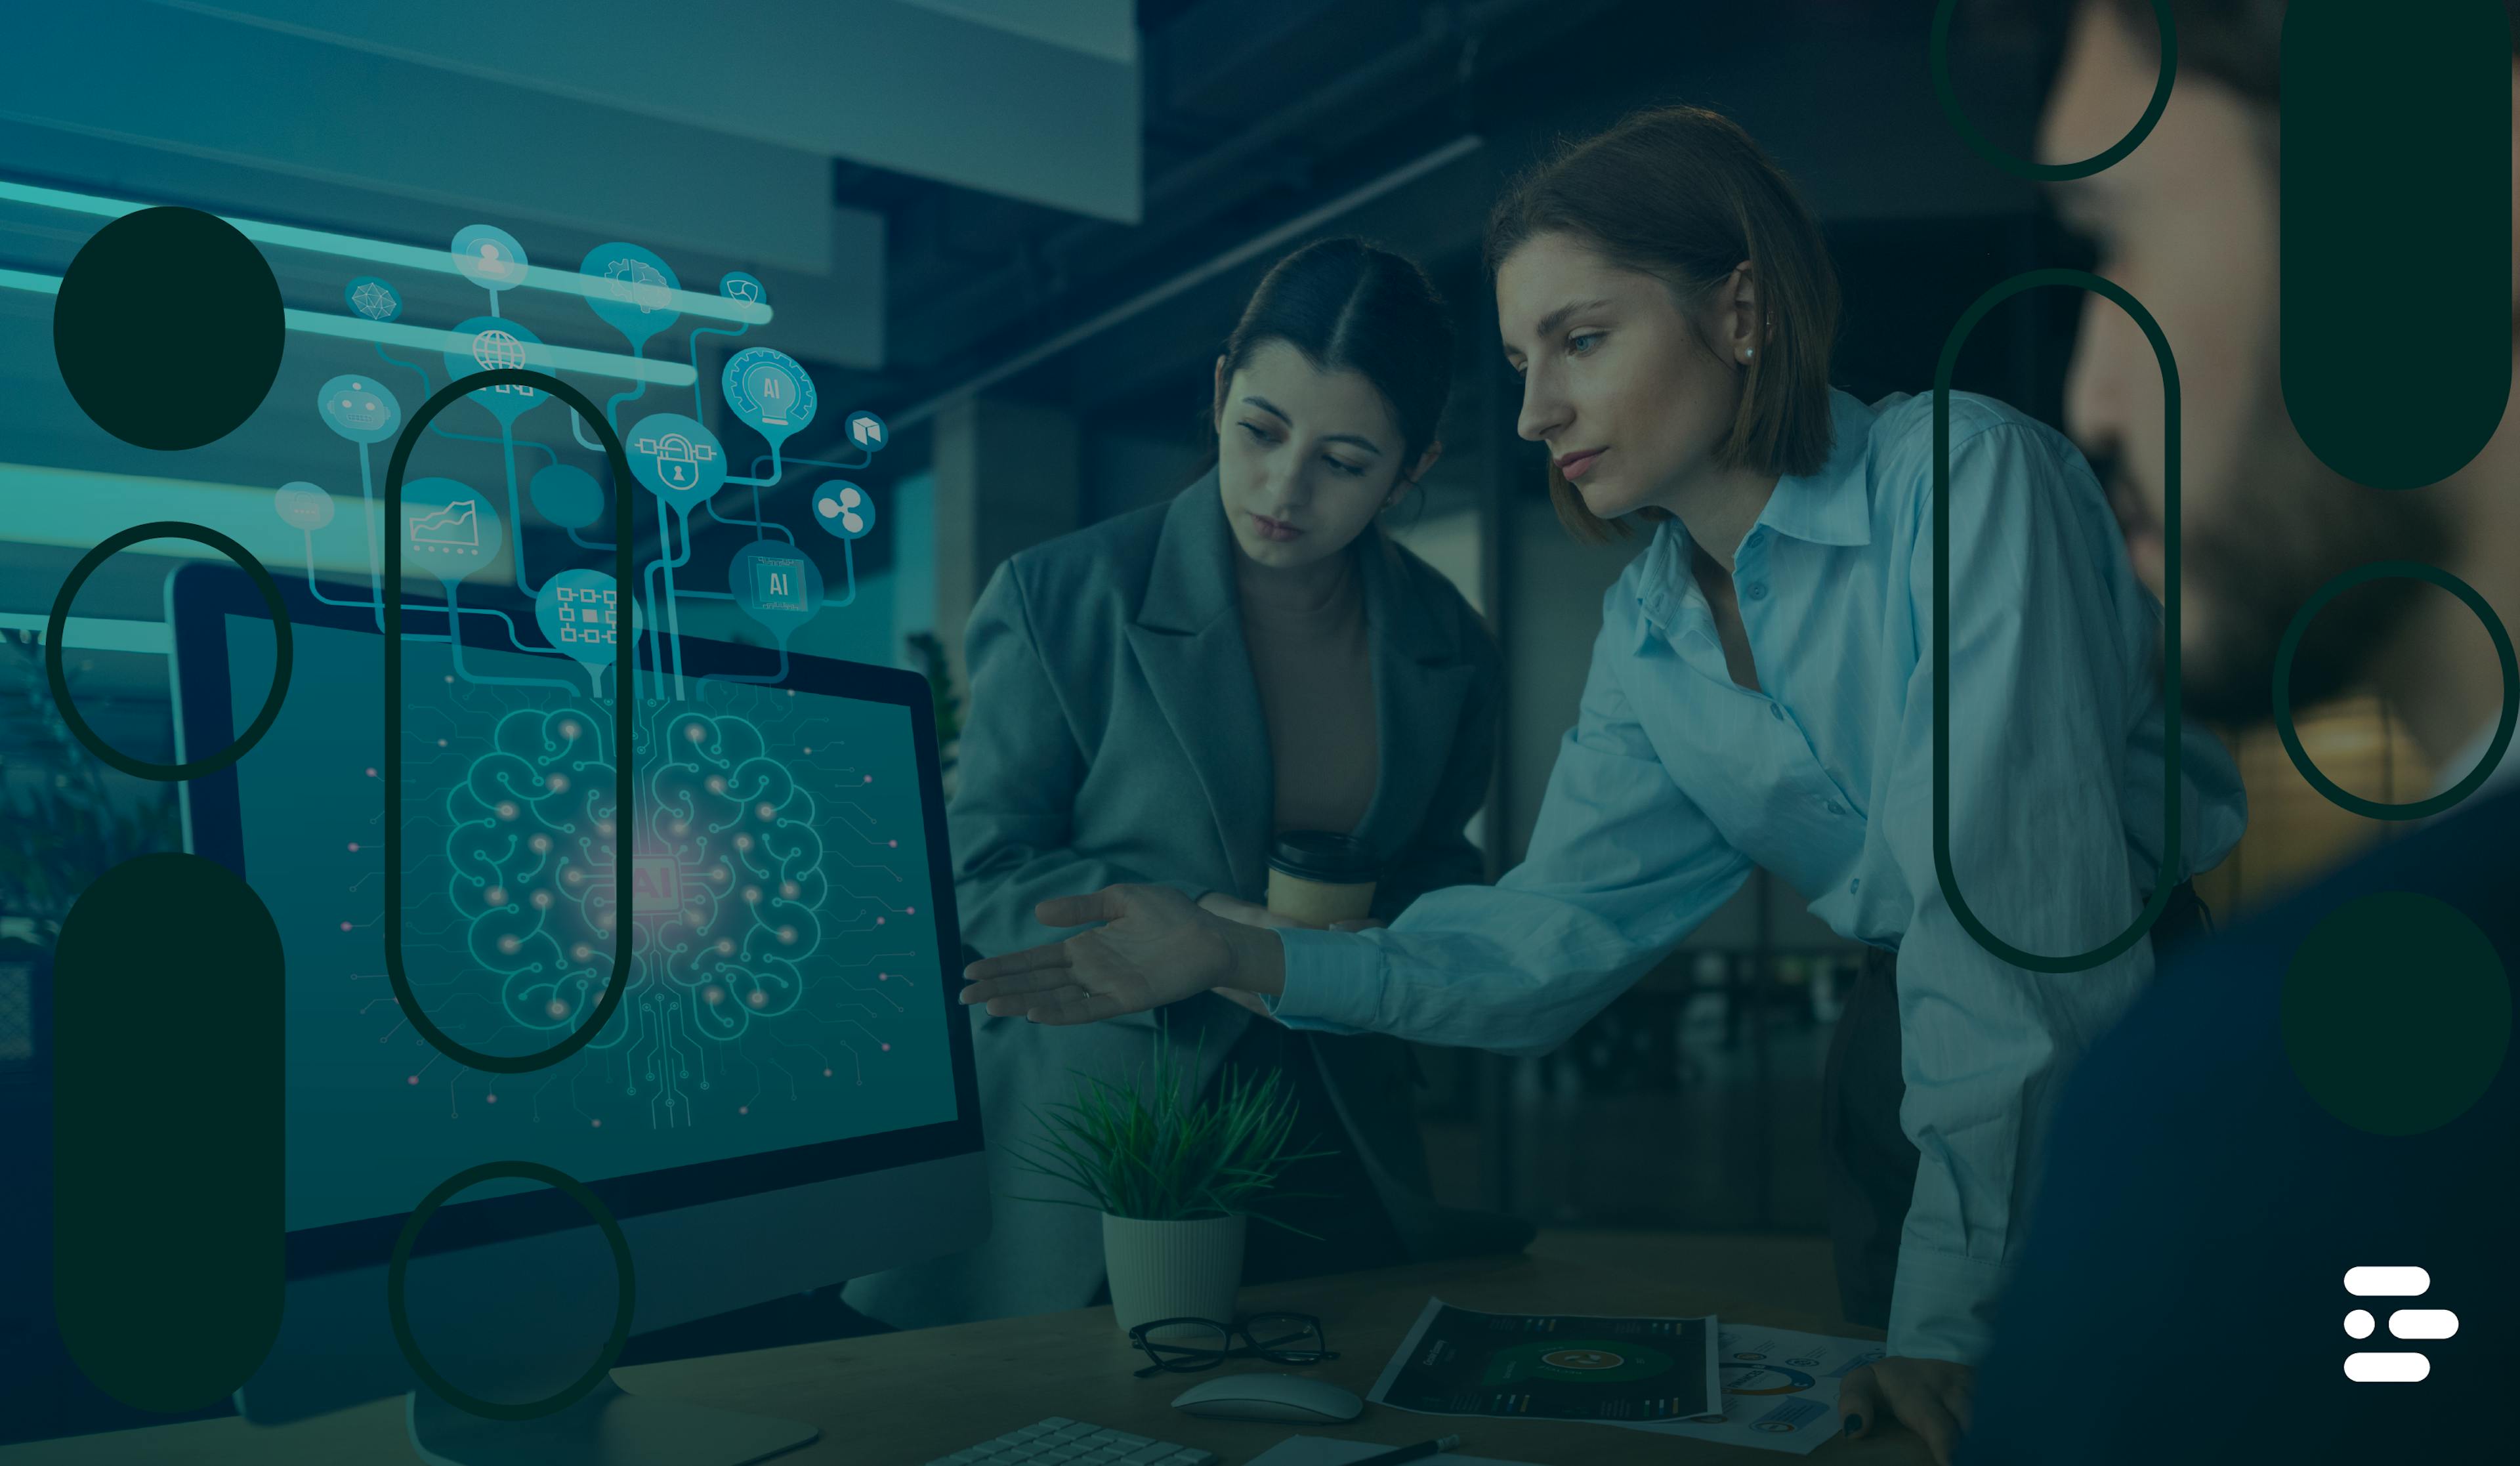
[1177, 1179]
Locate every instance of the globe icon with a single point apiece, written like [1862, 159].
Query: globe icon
[496, 349]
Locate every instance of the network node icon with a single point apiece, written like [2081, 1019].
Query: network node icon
[843, 510]
[373, 298]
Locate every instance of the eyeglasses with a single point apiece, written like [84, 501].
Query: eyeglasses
[1189, 1345]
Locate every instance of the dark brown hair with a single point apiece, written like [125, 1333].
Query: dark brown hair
[1683, 194]
[1349, 306]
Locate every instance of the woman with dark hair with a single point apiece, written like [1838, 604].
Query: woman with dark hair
[1764, 693]
[1156, 697]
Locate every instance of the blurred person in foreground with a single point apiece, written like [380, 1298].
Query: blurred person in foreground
[2323, 1086]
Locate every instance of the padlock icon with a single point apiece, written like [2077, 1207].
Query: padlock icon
[678, 458]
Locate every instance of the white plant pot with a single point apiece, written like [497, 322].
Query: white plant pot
[1173, 1269]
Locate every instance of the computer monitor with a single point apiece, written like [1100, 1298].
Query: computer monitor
[785, 1096]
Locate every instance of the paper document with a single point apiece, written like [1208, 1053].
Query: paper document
[1772, 1389]
[1323, 1450]
[1552, 1366]
[1779, 1388]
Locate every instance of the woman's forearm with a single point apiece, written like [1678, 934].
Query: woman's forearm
[1258, 961]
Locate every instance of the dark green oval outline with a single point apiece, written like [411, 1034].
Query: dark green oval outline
[400, 1262]
[2291, 735]
[1944, 876]
[623, 573]
[58, 623]
[1938, 60]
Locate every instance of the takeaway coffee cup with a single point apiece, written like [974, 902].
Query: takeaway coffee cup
[1317, 878]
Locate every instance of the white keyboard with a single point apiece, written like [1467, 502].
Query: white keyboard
[1062, 1442]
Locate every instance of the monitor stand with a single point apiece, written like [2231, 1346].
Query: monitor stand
[610, 1427]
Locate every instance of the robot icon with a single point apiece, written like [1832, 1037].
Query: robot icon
[359, 408]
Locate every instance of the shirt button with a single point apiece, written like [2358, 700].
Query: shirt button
[1758, 589]
[1836, 808]
[1777, 712]
[1855, 885]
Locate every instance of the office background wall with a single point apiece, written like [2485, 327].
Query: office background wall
[1020, 232]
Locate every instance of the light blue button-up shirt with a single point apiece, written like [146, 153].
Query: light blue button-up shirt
[1676, 780]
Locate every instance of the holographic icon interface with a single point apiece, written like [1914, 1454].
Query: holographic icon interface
[843, 510]
[769, 391]
[678, 458]
[779, 585]
[303, 505]
[373, 298]
[499, 350]
[448, 528]
[358, 409]
[490, 257]
[587, 615]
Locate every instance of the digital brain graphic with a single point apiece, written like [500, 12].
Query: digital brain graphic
[725, 875]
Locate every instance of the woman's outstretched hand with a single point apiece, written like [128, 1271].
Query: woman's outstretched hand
[1155, 947]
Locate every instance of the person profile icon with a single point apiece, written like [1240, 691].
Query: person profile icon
[488, 256]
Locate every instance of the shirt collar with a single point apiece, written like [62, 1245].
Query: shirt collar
[1832, 506]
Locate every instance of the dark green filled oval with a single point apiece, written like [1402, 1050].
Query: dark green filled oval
[2396, 254]
[167, 1132]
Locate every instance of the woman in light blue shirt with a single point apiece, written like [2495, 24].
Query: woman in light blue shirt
[1761, 693]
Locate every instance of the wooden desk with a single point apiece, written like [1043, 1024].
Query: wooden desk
[909, 1398]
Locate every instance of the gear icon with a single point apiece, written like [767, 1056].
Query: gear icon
[638, 281]
[373, 301]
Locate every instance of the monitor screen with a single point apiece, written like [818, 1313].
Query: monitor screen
[772, 889]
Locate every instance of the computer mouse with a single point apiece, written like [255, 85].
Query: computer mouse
[1268, 1396]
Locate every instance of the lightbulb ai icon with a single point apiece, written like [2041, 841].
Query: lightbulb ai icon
[2395, 1366]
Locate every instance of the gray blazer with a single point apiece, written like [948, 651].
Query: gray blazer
[1116, 734]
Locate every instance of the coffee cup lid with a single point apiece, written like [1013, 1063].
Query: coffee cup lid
[1321, 856]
